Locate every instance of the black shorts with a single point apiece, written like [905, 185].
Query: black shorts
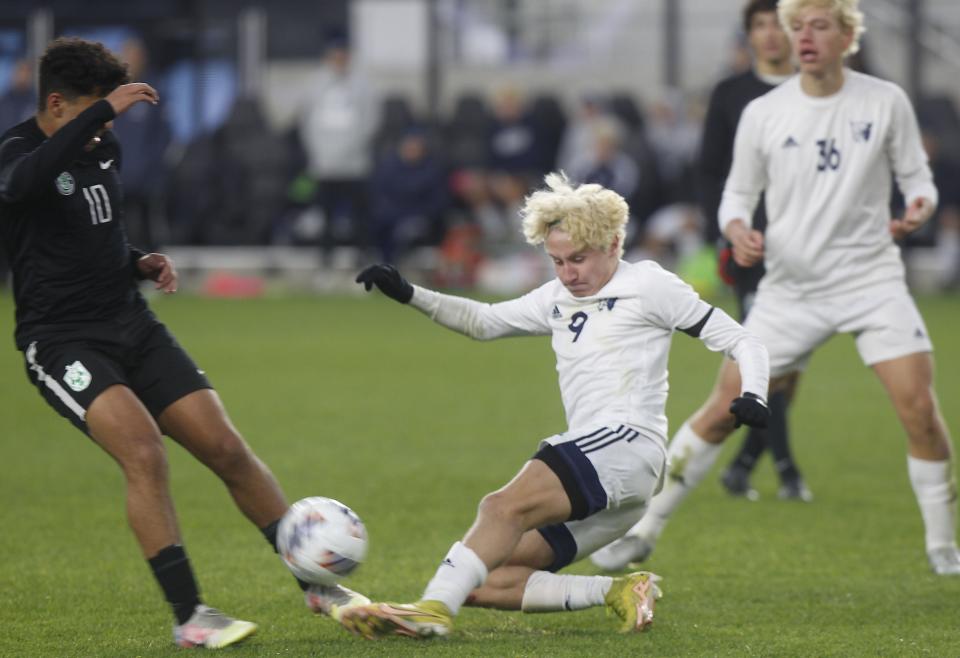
[71, 367]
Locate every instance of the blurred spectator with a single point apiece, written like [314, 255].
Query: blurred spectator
[19, 103]
[624, 106]
[258, 169]
[942, 231]
[337, 124]
[514, 145]
[578, 137]
[465, 134]
[550, 122]
[230, 187]
[674, 234]
[674, 239]
[144, 134]
[605, 162]
[500, 225]
[674, 136]
[408, 197]
[396, 118]
[196, 191]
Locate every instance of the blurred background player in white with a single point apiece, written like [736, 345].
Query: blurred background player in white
[771, 66]
[823, 145]
[611, 324]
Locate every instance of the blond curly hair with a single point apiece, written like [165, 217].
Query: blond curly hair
[847, 13]
[590, 214]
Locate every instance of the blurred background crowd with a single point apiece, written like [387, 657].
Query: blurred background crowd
[413, 129]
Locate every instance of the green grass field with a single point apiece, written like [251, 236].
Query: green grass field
[364, 401]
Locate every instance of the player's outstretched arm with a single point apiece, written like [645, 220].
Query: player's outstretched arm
[28, 171]
[389, 280]
[721, 333]
[126, 96]
[750, 409]
[466, 316]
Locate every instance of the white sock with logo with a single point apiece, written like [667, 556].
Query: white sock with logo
[936, 491]
[550, 592]
[461, 572]
[689, 459]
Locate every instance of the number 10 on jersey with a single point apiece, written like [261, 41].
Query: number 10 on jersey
[99, 202]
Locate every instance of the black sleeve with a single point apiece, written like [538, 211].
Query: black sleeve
[135, 255]
[22, 174]
[715, 152]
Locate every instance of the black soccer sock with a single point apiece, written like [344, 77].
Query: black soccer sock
[753, 446]
[778, 436]
[270, 533]
[171, 568]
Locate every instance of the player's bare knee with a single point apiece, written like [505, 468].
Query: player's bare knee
[919, 415]
[228, 456]
[500, 506]
[144, 459]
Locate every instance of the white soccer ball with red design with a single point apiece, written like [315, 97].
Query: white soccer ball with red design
[321, 540]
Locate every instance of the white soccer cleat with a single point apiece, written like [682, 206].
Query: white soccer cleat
[736, 481]
[945, 561]
[795, 490]
[211, 629]
[618, 554]
[330, 600]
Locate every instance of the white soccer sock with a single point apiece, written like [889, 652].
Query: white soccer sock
[460, 573]
[936, 491]
[549, 592]
[689, 459]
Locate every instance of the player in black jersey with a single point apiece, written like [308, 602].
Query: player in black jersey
[92, 347]
[772, 65]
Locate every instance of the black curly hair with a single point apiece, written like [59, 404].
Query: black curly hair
[756, 7]
[77, 67]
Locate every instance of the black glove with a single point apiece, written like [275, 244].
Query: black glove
[388, 279]
[750, 409]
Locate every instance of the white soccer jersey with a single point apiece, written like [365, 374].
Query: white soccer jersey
[611, 347]
[825, 164]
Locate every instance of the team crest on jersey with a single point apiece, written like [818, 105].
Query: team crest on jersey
[555, 314]
[606, 303]
[77, 376]
[65, 184]
[861, 130]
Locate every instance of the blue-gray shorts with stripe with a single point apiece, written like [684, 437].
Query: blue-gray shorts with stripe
[610, 473]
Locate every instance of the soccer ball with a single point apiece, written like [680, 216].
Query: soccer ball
[321, 540]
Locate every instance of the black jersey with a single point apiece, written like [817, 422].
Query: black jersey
[716, 151]
[60, 226]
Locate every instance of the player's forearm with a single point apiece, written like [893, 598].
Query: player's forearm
[918, 185]
[32, 171]
[735, 206]
[722, 333]
[465, 316]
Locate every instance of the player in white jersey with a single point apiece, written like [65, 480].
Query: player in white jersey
[823, 145]
[611, 323]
